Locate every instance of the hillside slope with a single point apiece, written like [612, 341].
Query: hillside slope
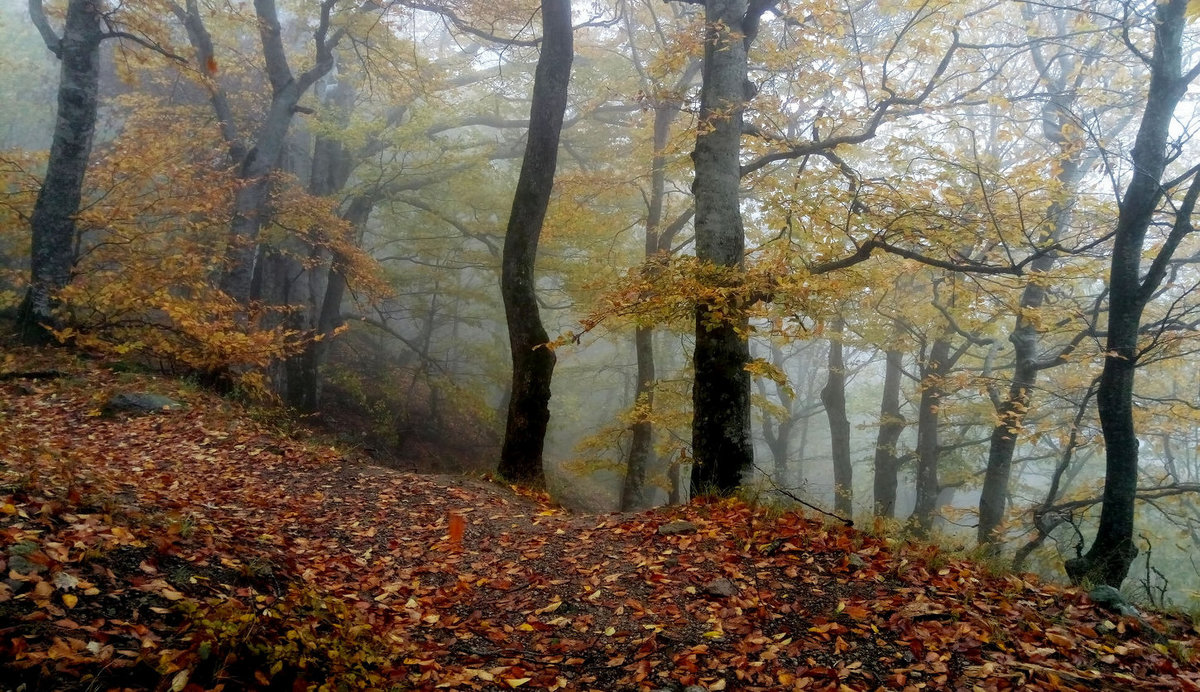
[197, 548]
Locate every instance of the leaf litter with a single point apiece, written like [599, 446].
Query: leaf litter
[202, 549]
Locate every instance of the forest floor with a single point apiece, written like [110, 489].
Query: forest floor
[204, 547]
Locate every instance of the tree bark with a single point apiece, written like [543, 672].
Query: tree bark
[833, 395]
[1112, 552]
[721, 444]
[53, 220]
[891, 425]
[928, 448]
[533, 362]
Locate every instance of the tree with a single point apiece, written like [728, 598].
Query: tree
[258, 156]
[1063, 74]
[532, 359]
[1147, 196]
[721, 446]
[891, 425]
[660, 236]
[833, 395]
[53, 221]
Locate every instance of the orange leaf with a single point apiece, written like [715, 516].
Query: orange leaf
[210, 65]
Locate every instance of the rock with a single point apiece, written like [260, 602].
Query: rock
[855, 562]
[1109, 598]
[695, 688]
[22, 565]
[720, 587]
[139, 404]
[18, 558]
[673, 528]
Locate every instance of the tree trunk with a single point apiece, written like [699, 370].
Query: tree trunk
[928, 449]
[331, 168]
[891, 425]
[307, 393]
[1011, 414]
[250, 206]
[641, 448]
[533, 362]
[53, 220]
[833, 395]
[721, 445]
[1112, 552]
[1057, 120]
[778, 436]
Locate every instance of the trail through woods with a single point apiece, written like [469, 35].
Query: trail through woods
[203, 547]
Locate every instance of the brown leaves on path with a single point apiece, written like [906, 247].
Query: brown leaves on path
[200, 548]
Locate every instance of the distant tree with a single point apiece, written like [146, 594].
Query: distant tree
[532, 361]
[256, 156]
[667, 103]
[833, 395]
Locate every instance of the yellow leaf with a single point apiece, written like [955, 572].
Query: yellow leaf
[8, 508]
[70, 599]
[517, 682]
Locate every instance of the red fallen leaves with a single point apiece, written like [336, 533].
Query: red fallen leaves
[131, 532]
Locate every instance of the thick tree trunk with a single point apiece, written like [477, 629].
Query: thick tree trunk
[891, 425]
[53, 220]
[721, 444]
[533, 363]
[928, 448]
[833, 395]
[1109, 558]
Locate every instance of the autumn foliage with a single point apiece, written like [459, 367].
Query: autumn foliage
[200, 549]
[152, 242]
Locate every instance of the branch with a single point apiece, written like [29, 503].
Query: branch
[52, 40]
[145, 43]
[278, 71]
[869, 128]
[325, 45]
[466, 28]
[1181, 228]
[1144, 494]
[794, 497]
[863, 253]
[202, 43]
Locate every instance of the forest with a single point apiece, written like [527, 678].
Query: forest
[922, 267]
